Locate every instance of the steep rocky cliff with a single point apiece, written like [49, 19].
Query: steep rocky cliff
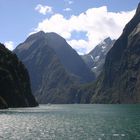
[15, 88]
[120, 79]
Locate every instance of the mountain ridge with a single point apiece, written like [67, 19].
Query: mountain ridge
[51, 61]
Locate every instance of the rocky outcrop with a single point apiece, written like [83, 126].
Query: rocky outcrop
[120, 79]
[15, 88]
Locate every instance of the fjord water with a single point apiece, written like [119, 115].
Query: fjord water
[71, 122]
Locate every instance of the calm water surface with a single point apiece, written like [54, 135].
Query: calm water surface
[71, 122]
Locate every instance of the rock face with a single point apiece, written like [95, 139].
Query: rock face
[15, 88]
[96, 58]
[54, 67]
[120, 80]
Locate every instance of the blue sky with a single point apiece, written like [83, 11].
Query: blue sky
[20, 18]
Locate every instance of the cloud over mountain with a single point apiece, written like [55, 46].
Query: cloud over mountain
[97, 23]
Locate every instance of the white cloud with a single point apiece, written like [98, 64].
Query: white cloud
[57, 23]
[43, 9]
[79, 45]
[97, 23]
[67, 9]
[9, 45]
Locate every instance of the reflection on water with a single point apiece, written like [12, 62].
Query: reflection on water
[71, 122]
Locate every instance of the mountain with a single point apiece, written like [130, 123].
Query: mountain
[120, 79]
[95, 59]
[54, 67]
[69, 57]
[15, 88]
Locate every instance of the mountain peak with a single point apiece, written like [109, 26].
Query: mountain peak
[40, 32]
[95, 59]
[35, 36]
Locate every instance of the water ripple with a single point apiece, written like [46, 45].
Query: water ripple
[71, 122]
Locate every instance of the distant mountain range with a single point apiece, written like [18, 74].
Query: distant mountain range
[15, 90]
[95, 59]
[54, 67]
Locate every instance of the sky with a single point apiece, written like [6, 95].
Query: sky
[83, 23]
